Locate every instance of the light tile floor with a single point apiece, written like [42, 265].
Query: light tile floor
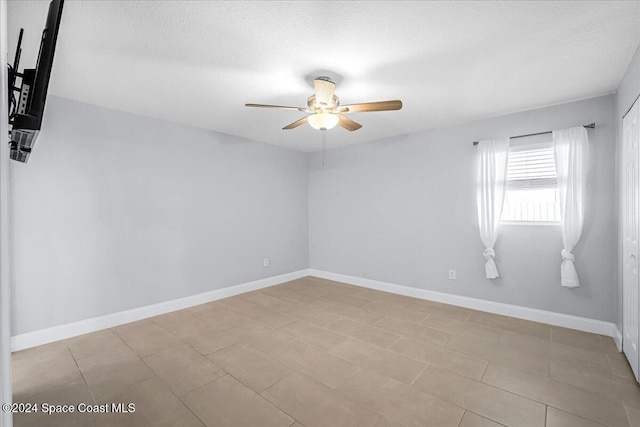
[314, 352]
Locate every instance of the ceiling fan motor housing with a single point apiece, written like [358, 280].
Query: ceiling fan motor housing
[324, 89]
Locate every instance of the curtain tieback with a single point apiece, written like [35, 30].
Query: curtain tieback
[489, 253]
[567, 255]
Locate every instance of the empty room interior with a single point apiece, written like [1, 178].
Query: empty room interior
[320, 213]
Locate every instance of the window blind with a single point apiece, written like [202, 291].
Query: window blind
[532, 167]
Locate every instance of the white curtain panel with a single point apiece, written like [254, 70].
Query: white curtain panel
[491, 158]
[572, 153]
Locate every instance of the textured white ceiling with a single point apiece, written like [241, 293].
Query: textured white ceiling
[198, 62]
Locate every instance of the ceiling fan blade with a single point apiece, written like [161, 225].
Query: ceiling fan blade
[348, 124]
[371, 106]
[281, 107]
[295, 124]
[324, 88]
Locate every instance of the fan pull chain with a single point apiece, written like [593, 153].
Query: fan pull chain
[324, 145]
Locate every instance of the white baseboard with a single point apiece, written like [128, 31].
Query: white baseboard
[617, 337]
[557, 319]
[56, 333]
[44, 336]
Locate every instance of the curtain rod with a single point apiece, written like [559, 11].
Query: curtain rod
[589, 126]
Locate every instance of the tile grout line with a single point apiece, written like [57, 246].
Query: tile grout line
[490, 419]
[484, 371]
[541, 402]
[546, 412]
[394, 343]
[461, 418]
[430, 393]
[426, 365]
[581, 417]
[350, 399]
[184, 403]
[81, 374]
[266, 399]
[126, 386]
[362, 341]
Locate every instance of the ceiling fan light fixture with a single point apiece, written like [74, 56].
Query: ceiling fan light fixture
[323, 121]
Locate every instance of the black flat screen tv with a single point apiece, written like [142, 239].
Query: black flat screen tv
[25, 115]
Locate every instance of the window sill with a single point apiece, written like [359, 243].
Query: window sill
[536, 223]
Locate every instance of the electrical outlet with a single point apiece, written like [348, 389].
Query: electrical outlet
[265, 262]
[452, 275]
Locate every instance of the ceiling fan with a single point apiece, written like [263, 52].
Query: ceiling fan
[326, 111]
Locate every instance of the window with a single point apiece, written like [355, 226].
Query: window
[532, 184]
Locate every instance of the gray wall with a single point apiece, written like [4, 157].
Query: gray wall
[116, 211]
[402, 210]
[628, 92]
